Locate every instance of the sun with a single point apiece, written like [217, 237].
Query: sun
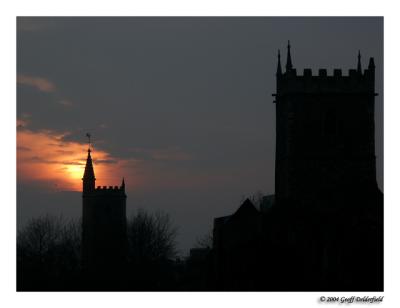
[75, 172]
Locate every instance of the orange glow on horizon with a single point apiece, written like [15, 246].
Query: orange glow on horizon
[46, 158]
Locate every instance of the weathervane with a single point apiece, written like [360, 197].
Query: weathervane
[88, 135]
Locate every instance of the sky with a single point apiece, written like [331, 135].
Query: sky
[180, 107]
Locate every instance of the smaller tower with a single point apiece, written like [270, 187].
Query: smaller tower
[104, 241]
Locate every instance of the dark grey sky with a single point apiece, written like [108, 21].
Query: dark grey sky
[188, 99]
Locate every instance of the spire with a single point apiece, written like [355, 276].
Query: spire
[359, 63]
[289, 65]
[88, 176]
[123, 184]
[89, 171]
[279, 69]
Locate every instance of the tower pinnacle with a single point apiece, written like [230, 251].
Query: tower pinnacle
[359, 63]
[279, 68]
[371, 64]
[289, 65]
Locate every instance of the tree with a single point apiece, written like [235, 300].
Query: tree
[151, 251]
[205, 241]
[48, 252]
[151, 236]
[49, 249]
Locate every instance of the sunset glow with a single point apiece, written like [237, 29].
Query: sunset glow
[46, 158]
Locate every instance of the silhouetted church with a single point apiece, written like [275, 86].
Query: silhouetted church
[103, 224]
[324, 230]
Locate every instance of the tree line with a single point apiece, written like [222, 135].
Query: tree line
[49, 252]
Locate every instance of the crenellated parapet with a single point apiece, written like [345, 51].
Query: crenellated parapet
[109, 190]
[323, 82]
[354, 81]
[322, 72]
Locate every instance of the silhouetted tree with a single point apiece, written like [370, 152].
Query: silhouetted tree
[205, 241]
[151, 236]
[151, 250]
[48, 253]
[49, 250]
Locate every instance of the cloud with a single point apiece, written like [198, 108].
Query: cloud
[30, 24]
[21, 123]
[64, 152]
[44, 162]
[105, 161]
[39, 83]
[162, 154]
[170, 154]
[65, 103]
[22, 148]
[76, 163]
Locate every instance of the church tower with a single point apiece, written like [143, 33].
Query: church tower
[325, 144]
[103, 223]
[325, 177]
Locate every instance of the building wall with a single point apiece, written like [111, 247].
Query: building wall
[325, 135]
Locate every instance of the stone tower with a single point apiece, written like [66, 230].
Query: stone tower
[325, 178]
[325, 145]
[103, 223]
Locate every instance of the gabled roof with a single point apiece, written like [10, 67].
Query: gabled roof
[246, 209]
